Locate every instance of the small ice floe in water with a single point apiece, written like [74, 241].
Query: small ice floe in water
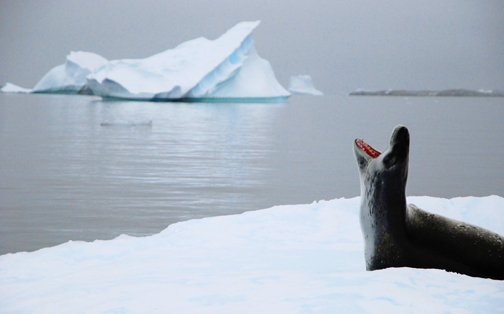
[127, 122]
[303, 84]
[12, 88]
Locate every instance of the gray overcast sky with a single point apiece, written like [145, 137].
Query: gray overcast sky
[343, 45]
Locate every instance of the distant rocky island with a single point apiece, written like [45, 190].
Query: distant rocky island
[429, 93]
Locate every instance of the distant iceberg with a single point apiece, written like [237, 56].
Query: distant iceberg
[303, 84]
[227, 68]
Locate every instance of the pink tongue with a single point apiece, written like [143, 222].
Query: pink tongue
[368, 149]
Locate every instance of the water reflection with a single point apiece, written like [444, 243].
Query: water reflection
[64, 175]
[94, 181]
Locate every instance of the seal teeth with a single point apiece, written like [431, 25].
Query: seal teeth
[367, 149]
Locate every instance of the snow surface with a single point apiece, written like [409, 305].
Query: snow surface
[285, 259]
[303, 84]
[225, 68]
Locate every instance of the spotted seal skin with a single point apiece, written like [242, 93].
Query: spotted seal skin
[400, 235]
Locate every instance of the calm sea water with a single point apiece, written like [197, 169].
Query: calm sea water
[78, 168]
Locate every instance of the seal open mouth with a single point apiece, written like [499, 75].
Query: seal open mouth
[366, 148]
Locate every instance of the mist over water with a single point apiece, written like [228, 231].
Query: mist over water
[64, 175]
[343, 45]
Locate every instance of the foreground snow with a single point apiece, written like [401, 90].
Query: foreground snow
[200, 70]
[286, 259]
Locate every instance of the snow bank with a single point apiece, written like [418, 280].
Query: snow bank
[200, 69]
[286, 259]
[303, 84]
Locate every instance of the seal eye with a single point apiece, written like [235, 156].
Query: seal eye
[389, 159]
[367, 149]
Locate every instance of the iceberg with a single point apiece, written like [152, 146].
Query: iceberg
[303, 84]
[225, 69]
[67, 78]
[70, 77]
[285, 259]
[200, 69]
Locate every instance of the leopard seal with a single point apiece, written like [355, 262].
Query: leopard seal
[400, 235]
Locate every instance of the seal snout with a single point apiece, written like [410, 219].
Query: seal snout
[400, 135]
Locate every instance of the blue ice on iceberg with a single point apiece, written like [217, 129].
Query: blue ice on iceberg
[227, 68]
